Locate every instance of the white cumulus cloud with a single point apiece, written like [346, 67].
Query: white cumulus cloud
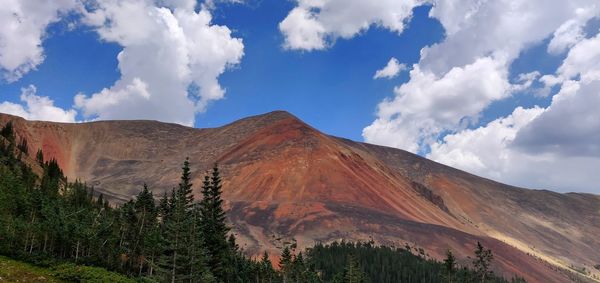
[428, 104]
[23, 25]
[552, 148]
[443, 98]
[170, 63]
[37, 107]
[316, 24]
[468, 70]
[570, 32]
[391, 70]
[557, 147]
[485, 150]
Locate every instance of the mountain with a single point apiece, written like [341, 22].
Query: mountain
[286, 181]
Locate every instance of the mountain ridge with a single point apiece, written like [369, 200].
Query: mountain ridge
[284, 178]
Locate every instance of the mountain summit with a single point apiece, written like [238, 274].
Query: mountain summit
[286, 181]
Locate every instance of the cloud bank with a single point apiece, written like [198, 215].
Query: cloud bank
[23, 25]
[316, 24]
[437, 111]
[37, 108]
[171, 59]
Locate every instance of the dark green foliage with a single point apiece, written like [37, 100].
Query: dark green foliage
[39, 157]
[449, 266]
[285, 264]
[76, 273]
[213, 224]
[481, 263]
[353, 272]
[265, 272]
[380, 264]
[8, 132]
[46, 217]
[183, 257]
[23, 146]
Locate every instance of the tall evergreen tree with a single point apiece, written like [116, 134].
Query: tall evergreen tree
[8, 132]
[482, 262]
[449, 266]
[145, 234]
[285, 264]
[353, 272]
[266, 271]
[23, 147]
[214, 224]
[39, 157]
[181, 260]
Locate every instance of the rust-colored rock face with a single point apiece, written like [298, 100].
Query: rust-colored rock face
[283, 179]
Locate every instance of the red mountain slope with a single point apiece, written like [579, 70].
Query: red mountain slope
[285, 179]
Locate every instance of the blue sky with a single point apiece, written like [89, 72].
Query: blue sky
[478, 92]
[269, 77]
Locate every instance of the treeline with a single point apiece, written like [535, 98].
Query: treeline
[174, 238]
[367, 262]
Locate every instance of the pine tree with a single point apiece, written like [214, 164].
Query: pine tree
[163, 207]
[23, 147]
[353, 272]
[214, 225]
[178, 231]
[481, 263]
[285, 264]
[145, 238]
[449, 266]
[266, 268]
[39, 157]
[8, 132]
[298, 270]
[184, 192]
[200, 271]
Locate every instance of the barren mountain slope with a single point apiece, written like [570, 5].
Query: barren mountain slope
[560, 228]
[284, 179]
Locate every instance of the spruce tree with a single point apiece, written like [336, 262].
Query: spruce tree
[145, 239]
[184, 192]
[178, 233]
[481, 263]
[23, 147]
[39, 157]
[299, 272]
[353, 272]
[8, 132]
[266, 268]
[285, 264]
[214, 225]
[198, 254]
[449, 266]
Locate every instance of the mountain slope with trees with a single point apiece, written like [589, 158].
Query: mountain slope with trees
[287, 181]
[49, 221]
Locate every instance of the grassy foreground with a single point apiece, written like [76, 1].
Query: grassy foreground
[16, 271]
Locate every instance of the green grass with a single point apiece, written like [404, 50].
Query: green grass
[88, 274]
[16, 271]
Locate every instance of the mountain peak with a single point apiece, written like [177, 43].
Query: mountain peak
[275, 116]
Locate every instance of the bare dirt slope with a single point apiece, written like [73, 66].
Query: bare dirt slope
[285, 179]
